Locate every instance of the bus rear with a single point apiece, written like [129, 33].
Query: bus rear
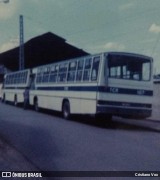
[127, 87]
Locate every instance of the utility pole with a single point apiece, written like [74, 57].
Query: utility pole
[21, 46]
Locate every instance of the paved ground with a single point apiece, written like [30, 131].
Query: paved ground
[11, 159]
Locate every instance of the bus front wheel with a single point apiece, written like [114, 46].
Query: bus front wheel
[66, 110]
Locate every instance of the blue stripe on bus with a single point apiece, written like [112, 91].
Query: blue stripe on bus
[14, 88]
[114, 90]
[69, 88]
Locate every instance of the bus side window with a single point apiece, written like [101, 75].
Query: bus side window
[46, 74]
[95, 68]
[25, 77]
[18, 78]
[80, 70]
[10, 79]
[15, 78]
[15, 75]
[87, 69]
[22, 77]
[72, 71]
[53, 73]
[39, 76]
[62, 72]
[5, 80]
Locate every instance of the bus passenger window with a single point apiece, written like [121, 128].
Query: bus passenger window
[53, 74]
[87, 70]
[71, 76]
[25, 77]
[80, 64]
[94, 75]
[79, 75]
[62, 72]
[46, 74]
[14, 79]
[86, 75]
[95, 68]
[39, 76]
[10, 79]
[22, 77]
[72, 71]
[80, 70]
[53, 78]
[6, 80]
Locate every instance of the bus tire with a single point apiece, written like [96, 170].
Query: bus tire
[4, 99]
[66, 109]
[15, 101]
[36, 108]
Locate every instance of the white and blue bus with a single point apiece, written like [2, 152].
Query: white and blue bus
[111, 83]
[14, 85]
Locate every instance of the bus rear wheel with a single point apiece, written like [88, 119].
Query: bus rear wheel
[66, 110]
[36, 108]
[15, 101]
[4, 99]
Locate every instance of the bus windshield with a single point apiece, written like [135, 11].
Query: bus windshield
[129, 67]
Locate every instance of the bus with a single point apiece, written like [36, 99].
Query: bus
[14, 85]
[109, 83]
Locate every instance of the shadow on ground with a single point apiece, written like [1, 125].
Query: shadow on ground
[116, 122]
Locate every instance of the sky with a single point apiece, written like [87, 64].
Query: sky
[92, 25]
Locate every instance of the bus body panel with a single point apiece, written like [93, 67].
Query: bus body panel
[81, 102]
[10, 95]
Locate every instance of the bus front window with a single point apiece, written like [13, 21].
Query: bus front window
[129, 67]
